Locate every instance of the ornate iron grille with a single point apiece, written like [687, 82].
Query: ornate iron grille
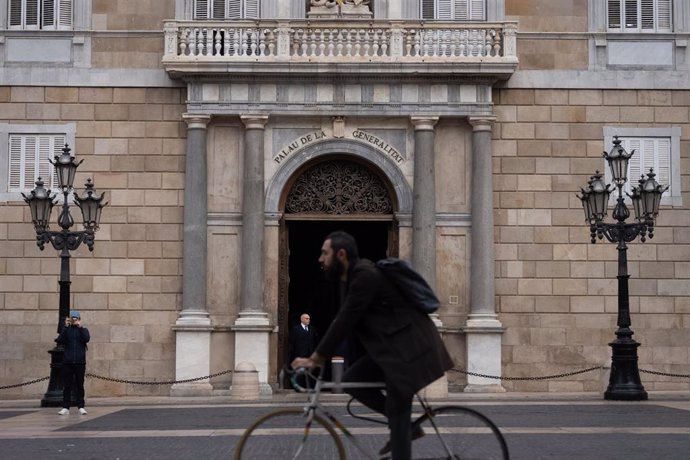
[338, 187]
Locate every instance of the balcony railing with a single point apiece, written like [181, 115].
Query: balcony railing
[335, 42]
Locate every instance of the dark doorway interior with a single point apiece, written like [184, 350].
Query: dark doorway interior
[308, 289]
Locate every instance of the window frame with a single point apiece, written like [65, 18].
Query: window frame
[424, 4]
[210, 9]
[56, 16]
[673, 197]
[624, 28]
[68, 130]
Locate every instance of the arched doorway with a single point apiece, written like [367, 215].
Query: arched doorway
[330, 193]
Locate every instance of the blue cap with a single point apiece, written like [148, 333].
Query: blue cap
[74, 314]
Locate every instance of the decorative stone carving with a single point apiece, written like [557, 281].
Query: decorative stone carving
[341, 9]
[338, 187]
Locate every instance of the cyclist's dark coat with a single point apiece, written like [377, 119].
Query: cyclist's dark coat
[402, 340]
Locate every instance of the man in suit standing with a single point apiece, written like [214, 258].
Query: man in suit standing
[404, 348]
[303, 338]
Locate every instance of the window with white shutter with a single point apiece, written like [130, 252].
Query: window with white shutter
[639, 15]
[28, 160]
[226, 9]
[41, 14]
[656, 149]
[453, 10]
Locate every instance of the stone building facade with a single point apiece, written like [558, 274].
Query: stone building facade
[457, 139]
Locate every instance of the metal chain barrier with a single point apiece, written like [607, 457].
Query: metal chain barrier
[16, 385]
[545, 377]
[666, 374]
[462, 371]
[157, 382]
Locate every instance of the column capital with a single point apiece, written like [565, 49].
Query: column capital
[196, 121]
[423, 123]
[482, 123]
[254, 121]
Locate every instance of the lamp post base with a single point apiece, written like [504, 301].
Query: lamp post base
[53, 397]
[624, 383]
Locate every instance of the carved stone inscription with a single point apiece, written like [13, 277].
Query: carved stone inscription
[362, 136]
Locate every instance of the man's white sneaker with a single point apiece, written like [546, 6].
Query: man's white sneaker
[82, 411]
[63, 411]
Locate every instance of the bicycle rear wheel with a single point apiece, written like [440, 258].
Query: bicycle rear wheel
[464, 432]
[283, 434]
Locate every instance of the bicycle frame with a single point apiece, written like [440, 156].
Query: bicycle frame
[313, 405]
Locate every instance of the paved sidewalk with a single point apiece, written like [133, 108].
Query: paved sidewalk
[567, 426]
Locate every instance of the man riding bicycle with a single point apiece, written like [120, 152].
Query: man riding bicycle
[403, 346]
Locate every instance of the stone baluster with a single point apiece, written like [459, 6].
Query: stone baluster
[483, 329]
[193, 325]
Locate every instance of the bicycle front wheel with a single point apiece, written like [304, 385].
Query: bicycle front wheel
[456, 432]
[284, 434]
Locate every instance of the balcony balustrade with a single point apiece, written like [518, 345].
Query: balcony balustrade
[199, 46]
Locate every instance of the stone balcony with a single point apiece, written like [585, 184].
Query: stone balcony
[331, 47]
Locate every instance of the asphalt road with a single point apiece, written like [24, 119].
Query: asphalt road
[563, 430]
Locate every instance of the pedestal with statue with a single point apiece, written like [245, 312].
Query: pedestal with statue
[339, 9]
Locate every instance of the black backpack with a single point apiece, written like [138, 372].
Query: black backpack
[410, 284]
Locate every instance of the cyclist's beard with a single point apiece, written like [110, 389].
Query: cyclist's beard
[335, 270]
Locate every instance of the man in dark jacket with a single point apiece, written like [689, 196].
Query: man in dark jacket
[74, 338]
[404, 348]
[302, 338]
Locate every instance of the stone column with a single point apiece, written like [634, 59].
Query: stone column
[483, 330]
[424, 199]
[193, 326]
[424, 219]
[252, 327]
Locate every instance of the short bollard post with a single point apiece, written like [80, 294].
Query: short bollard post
[337, 366]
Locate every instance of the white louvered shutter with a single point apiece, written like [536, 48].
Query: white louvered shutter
[654, 153]
[201, 9]
[48, 14]
[251, 9]
[43, 167]
[30, 158]
[29, 155]
[31, 17]
[663, 167]
[614, 14]
[630, 14]
[217, 9]
[461, 10]
[428, 9]
[64, 16]
[444, 10]
[234, 9]
[647, 15]
[477, 10]
[15, 13]
[16, 162]
[664, 21]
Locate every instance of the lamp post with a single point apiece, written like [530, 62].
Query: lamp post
[624, 382]
[41, 203]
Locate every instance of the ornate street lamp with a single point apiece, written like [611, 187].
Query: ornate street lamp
[624, 382]
[41, 203]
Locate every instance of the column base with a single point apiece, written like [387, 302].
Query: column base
[252, 339]
[192, 354]
[483, 335]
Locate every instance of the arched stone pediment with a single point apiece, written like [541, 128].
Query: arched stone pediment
[344, 147]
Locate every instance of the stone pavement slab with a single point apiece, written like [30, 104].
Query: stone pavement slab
[582, 428]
